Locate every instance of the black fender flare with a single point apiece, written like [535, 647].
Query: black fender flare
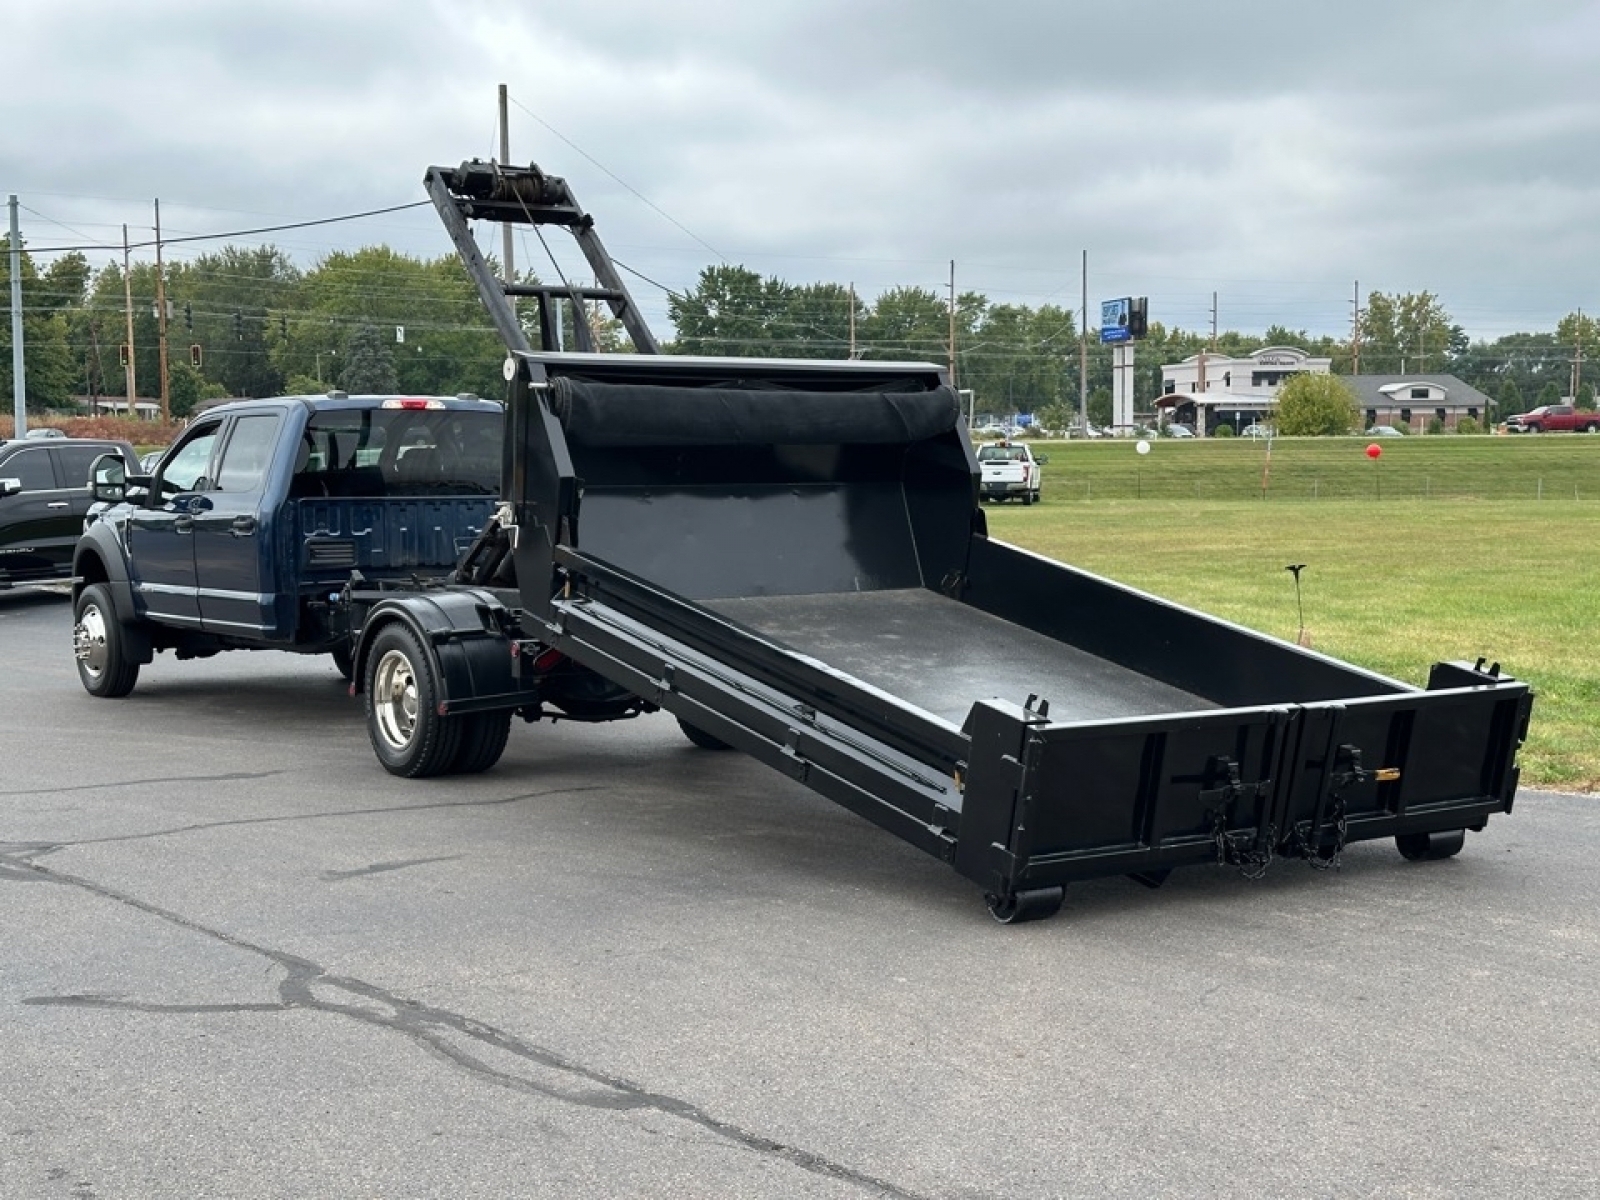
[99, 558]
[464, 631]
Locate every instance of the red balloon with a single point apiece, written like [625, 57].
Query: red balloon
[1374, 450]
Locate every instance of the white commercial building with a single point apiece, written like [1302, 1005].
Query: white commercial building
[1207, 390]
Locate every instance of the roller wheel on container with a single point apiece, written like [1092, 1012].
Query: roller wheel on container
[1034, 904]
[483, 740]
[701, 738]
[408, 735]
[344, 661]
[1423, 847]
[104, 667]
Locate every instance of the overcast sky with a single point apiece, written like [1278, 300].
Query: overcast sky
[1273, 153]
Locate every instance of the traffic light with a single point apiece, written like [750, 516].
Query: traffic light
[195, 356]
[123, 354]
[238, 325]
[188, 316]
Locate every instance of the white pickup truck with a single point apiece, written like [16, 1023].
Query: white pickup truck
[1010, 472]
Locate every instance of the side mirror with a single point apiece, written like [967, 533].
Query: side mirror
[1041, 459]
[9, 487]
[108, 479]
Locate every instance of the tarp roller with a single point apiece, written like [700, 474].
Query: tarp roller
[602, 414]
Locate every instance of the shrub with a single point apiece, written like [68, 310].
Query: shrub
[1223, 430]
[1435, 425]
[122, 429]
[1468, 425]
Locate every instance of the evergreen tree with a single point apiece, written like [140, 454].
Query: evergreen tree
[368, 367]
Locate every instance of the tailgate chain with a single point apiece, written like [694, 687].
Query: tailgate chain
[1251, 853]
[1350, 757]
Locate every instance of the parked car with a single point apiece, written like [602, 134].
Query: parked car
[150, 461]
[1384, 431]
[41, 433]
[44, 496]
[1256, 431]
[1178, 430]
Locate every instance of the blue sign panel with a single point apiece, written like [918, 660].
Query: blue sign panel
[1114, 321]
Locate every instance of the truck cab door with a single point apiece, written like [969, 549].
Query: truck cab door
[30, 519]
[161, 534]
[235, 572]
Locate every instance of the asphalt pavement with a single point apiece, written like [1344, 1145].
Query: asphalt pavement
[239, 959]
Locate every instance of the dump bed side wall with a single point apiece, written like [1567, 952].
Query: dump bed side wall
[1225, 663]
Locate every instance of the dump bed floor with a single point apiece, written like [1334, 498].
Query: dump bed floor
[941, 655]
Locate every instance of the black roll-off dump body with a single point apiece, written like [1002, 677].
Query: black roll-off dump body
[790, 557]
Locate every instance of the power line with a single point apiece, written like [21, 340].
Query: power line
[643, 199]
[211, 237]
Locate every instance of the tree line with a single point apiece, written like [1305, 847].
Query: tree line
[375, 320]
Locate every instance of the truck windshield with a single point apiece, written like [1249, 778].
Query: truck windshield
[400, 452]
[1002, 454]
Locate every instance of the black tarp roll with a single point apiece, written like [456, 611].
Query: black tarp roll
[606, 414]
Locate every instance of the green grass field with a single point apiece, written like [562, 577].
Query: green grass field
[1445, 548]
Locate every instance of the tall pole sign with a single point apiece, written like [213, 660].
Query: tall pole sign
[1122, 322]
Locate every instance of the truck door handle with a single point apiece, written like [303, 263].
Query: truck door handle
[244, 526]
[58, 504]
[183, 525]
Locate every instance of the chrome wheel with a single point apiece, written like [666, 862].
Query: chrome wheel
[89, 641]
[394, 699]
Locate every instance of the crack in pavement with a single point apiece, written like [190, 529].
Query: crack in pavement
[379, 868]
[456, 1039]
[116, 783]
[202, 826]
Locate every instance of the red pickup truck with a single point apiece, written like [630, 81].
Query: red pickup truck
[1555, 418]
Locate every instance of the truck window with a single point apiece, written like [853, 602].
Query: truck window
[404, 452]
[73, 463]
[33, 468]
[248, 454]
[186, 470]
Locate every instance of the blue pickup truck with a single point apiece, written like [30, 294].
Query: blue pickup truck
[250, 529]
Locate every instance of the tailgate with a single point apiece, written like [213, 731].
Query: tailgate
[1048, 803]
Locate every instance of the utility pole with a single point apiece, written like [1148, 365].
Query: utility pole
[19, 373]
[505, 161]
[852, 319]
[1083, 353]
[953, 322]
[161, 327]
[1577, 359]
[132, 385]
[1355, 331]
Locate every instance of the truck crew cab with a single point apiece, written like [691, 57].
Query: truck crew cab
[257, 518]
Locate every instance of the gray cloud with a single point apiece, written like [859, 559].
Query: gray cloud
[1271, 153]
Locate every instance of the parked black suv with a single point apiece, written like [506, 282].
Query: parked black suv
[44, 495]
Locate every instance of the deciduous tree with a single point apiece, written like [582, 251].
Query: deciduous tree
[1316, 406]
